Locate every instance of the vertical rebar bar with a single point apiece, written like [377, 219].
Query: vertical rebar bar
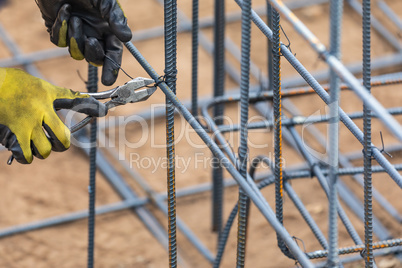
[170, 13]
[277, 105]
[336, 9]
[368, 195]
[243, 148]
[270, 48]
[92, 86]
[219, 86]
[194, 70]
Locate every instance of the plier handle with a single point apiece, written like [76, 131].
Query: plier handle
[136, 90]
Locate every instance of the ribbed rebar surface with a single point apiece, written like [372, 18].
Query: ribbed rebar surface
[170, 11]
[357, 248]
[270, 49]
[219, 86]
[243, 202]
[92, 86]
[194, 58]
[368, 195]
[336, 9]
[277, 105]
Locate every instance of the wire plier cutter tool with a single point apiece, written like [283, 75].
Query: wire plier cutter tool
[137, 90]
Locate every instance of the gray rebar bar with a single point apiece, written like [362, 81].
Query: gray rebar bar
[219, 86]
[368, 186]
[277, 111]
[357, 257]
[270, 49]
[194, 57]
[170, 12]
[243, 202]
[92, 86]
[336, 10]
[357, 248]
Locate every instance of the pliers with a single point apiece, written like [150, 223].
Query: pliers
[136, 90]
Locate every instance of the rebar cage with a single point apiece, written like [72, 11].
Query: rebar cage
[289, 129]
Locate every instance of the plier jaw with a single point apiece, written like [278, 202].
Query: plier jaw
[136, 90]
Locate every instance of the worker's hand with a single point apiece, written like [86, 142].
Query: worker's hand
[92, 29]
[29, 124]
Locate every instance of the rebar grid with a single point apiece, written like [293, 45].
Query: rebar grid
[249, 189]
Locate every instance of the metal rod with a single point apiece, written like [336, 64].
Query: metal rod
[219, 86]
[170, 8]
[194, 57]
[243, 202]
[336, 10]
[357, 248]
[92, 86]
[368, 186]
[277, 111]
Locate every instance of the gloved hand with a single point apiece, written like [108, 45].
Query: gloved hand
[92, 29]
[29, 124]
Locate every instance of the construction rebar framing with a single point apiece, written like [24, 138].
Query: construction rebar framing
[271, 96]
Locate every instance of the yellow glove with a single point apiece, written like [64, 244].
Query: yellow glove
[27, 108]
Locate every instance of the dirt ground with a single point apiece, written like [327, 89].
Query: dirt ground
[59, 184]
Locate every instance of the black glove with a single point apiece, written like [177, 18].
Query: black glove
[92, 29]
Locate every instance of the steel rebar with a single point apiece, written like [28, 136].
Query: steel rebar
[243, 202]
[368, 186]
[357, 248]
[219, 86]
[336, 10]
[170, 11]
[194, 57]
[92, 86]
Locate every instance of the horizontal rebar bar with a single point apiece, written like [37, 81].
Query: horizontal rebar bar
[357, 248]
[357, 257]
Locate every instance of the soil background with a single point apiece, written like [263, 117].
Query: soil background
[59, 184]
